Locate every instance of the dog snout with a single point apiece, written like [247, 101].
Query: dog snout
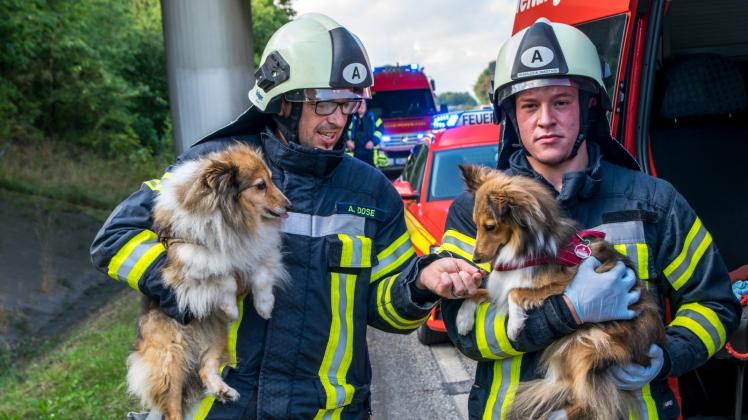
[477, 259]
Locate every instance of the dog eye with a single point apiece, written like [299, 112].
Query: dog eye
[489, 228]
[261, 186]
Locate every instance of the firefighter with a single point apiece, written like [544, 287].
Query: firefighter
[365, 134]
[345, 244]
[549, 94]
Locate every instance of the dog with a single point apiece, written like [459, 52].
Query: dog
[219, 218]
[522, 231]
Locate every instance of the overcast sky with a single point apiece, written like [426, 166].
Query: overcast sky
[453, 40]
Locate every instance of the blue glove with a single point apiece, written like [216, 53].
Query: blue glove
[599, 297]
[632, 376]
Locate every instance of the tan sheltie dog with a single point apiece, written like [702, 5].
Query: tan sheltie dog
[519, 221]
[219, 217]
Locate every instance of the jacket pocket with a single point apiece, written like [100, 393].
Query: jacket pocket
[348, 253]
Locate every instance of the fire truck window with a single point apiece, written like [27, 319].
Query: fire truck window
[446, 183]
[403, 103]
[607, 35]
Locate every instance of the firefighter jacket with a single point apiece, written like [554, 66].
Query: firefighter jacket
[674, 255]
[348, 253]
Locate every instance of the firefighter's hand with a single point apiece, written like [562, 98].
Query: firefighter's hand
[351, 145]
[631, 376]
[452, 278]
[369, 145]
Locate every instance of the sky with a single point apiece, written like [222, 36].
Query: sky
[453, 40]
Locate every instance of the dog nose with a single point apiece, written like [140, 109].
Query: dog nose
[477, 259]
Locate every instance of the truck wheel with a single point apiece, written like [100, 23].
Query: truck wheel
[428, 336]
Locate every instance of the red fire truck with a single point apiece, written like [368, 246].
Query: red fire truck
[677, 74]
[403, 97]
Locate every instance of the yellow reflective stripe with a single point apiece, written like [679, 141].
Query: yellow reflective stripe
[345, 364]
[494, 392]
[208, 401]
[460, 237]
[498, 329]
[333, 414]
[332, 342]
[233, 332]
[685, 258]
[205, 407]
[649, 402]
[698, 330]
[512, 389]
[346, 256]
[166, 175]
[621, 248]
[154, 184]
[379, 272]
[642, 255]
[365, 250]
[387, 311]
[710, 316]
[143, 262]
[419, 236]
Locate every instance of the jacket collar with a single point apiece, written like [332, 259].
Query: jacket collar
[300, 159]
[575, 185]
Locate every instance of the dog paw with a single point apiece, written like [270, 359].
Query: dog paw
[264, 304]
[231, 311]
[225, 394]
[466, 318]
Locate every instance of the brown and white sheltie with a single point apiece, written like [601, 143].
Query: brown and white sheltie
[518, 220]
[219, 217]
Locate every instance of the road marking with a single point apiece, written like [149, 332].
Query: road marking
[454, 373]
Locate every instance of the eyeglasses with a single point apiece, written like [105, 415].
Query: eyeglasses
[323, 108]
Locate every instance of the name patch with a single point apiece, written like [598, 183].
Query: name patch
[364, 211]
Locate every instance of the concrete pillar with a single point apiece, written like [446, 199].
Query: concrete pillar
[210, 64]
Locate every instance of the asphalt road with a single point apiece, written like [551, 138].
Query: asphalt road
[413, 381]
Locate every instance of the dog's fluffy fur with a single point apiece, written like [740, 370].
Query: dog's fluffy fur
[518, 219]
[220, 218]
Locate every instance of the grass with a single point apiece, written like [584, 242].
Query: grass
[81, 372]
[71, 175]
[82, 376]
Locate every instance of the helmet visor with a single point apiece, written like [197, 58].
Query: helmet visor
[514, 88]
[316, 95]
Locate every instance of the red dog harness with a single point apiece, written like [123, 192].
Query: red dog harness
[572, 254]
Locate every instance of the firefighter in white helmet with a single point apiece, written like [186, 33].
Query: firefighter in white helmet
[345, 244]
[549, 94]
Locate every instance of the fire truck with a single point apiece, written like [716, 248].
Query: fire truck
[677, 72]
[403, 97]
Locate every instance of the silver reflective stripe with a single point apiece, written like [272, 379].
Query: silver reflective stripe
[357, 246]
[675, 275]
[345, 335]
[388, 260]
[501, 399]
[489, 327]
[135, 256]
[319, 226]
[449, 239]
[623, 232]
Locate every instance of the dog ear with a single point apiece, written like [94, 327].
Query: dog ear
[474, 176]
[498, 202]
[222, 177]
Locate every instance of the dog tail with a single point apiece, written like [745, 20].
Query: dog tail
[594, 398]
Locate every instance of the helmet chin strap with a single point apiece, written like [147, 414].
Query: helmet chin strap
[585, 121]
[289, 125]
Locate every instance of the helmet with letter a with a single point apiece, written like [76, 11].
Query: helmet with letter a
[311, 58]
[554, 54]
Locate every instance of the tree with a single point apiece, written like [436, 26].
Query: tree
[462, 99]
[267, 16]
[483, 85]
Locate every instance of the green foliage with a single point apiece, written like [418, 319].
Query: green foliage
[483, 85]
[89, 72]
[267, 17]
[463, 99]
[82, 377]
